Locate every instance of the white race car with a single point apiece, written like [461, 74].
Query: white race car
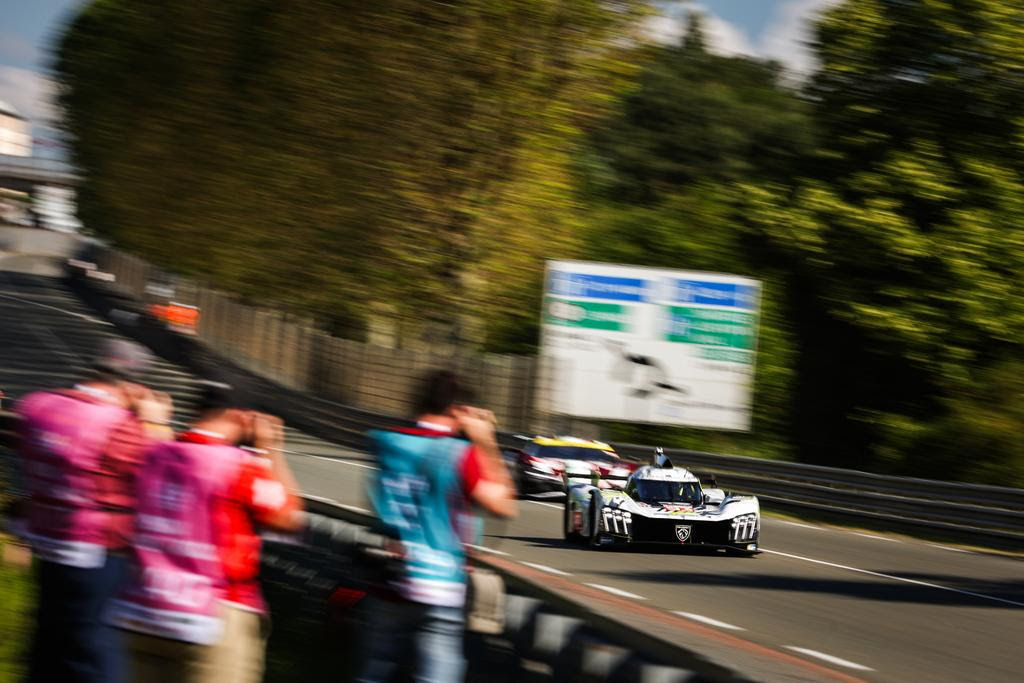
[664, 504]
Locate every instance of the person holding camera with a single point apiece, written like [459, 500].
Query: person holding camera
[429, 479]
[193, 608]
[81, 449]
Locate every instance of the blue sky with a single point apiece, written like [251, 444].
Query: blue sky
[766, 28]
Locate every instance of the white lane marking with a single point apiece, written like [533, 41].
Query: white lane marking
[802, 526]
[877, 538]
[545, 568]
[337, 460]
[485, 549]
[829, 658]
[547, 505]
[709, 621]
[897, 578]
[955, 550]
[60, 310]
[615, 591]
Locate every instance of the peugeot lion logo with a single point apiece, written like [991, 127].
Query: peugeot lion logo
[683, 532]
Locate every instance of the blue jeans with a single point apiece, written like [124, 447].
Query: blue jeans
[72, 642]
[435, 632]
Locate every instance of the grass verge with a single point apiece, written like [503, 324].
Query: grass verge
[17, 600]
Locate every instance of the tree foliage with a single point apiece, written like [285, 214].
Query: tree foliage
[340, 157]
[910, 232]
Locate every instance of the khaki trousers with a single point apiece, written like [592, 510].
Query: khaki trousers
[236, 658]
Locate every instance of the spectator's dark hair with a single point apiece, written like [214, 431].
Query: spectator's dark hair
[216, 396]
[438, 391]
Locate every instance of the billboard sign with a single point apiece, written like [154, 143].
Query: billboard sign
[648, 345]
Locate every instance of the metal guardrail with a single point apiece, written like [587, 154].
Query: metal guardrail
[998, 496]
[570, 644]
[8, 428]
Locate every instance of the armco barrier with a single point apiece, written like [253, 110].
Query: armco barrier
[542, 628]
[983, 515]
[8, 422]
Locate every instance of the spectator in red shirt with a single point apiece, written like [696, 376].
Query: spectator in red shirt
[193, 606]
[81, 450]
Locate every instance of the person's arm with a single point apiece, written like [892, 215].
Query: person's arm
[117, 477]
[274, 496]
[153, 409]
[495, 491]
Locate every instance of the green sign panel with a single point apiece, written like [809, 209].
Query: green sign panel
[590, 314]
[727, 355]
[711, 327]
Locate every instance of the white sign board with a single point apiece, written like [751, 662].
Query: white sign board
[648, 345]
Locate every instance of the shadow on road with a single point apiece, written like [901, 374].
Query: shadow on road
[879, 589]
[653, 549]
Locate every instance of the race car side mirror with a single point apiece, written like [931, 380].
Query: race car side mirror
[714, 496]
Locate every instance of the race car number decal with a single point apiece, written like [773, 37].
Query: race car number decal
[618, 521]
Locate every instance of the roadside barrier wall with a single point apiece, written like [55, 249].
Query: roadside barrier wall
[292, 351]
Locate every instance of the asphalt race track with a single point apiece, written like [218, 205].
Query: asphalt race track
[820, 603]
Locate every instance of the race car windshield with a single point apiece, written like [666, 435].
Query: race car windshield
[577, 453]
[668, 492]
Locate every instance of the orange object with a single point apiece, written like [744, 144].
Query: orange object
[179, 317]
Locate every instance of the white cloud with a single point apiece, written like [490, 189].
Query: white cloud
[726, 39]
[669, 26]
[786, 36]
[30, 92]
[784, 39]
[662, 28]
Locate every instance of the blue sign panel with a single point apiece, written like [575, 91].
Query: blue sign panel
[729, 294]
[598, 286]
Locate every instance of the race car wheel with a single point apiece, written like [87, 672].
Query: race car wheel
[517, 481]
[571, 534]
[595, 522]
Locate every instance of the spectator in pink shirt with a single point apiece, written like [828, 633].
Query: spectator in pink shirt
[82, 449]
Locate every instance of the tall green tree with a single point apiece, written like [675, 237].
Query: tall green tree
[906, 239]
[697, 117]
[665, 179]
[338, 157]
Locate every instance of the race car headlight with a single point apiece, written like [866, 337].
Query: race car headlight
[745, 527]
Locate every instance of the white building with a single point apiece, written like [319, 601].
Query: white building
[15, 135]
